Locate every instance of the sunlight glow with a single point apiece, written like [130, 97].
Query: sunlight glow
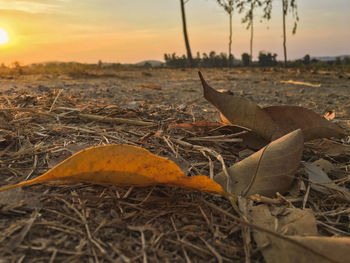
[3, 37]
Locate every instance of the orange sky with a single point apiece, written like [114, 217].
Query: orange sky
[131, 31]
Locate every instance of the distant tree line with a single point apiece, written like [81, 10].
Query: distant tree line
[265, 59]
[211, 60]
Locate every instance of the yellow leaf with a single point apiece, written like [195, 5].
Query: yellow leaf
[122, 165]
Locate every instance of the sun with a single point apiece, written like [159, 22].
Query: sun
[4, 38]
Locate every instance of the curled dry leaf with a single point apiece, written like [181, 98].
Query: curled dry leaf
[290, 118]
[271, 122]
[267, 171]
[300, 226]
[329, 115]
[240, 111]
[122, 165]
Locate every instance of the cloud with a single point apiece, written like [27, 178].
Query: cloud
[33, 6]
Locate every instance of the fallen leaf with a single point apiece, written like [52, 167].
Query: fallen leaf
[329, 147]
[252, 140]
[299, 226]
[325, 165]
[290, 221]
[321, 182]
[245, 153]
[122, 165]
[271, 122]
[329, 115]
[151, 86]
[240, 111]
[335, 248]
[270, 170]
[290, 118]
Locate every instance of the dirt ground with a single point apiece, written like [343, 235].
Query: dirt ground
[84, 223]
[183, 88]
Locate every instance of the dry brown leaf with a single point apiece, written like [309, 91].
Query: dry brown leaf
[335, 248]
[267, 171]
[290, 118]
[271, 122]
[240, 111]
[122, 165]
[291, 221]
[252, 140]
[151, 86]
[325, 165]
[329, 147]
[300, 225]
[322, 183]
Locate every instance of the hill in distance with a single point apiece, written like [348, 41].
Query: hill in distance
[329, 58]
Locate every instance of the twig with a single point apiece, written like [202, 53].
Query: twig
[306, 195]
[92, 117]
[211, 166]
[34, 166]
[97, 133]
[54, 101]
[216, 254]
[300, 83]
[243, 207]
[220, 138]
[210, 151]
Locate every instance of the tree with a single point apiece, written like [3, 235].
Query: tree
[306, 59]
[184, 26]
[288, 5]
[228, 6]
[346, 60]
[248, 6]
[246, 58]
[338, 60]
[267, 59]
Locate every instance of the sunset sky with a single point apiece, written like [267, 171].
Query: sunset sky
[131, 31]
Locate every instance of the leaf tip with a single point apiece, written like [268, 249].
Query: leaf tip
[202, 78]
[208, 91]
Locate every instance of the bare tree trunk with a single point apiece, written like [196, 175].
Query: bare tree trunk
[251, 34]
[230, 39]
[284, 32]
[188, 49]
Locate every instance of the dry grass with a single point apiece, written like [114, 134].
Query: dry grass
[90, 223]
